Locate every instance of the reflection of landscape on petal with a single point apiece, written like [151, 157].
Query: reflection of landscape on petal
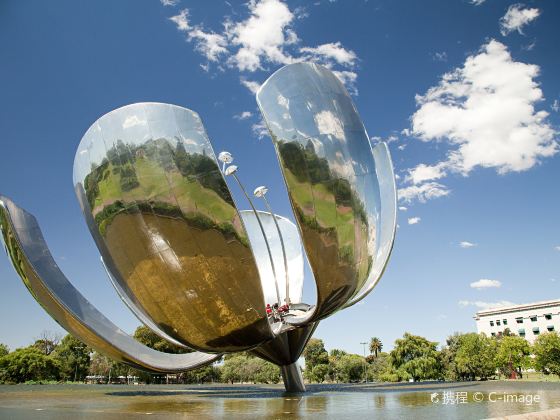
[172, 231]
[333, 220]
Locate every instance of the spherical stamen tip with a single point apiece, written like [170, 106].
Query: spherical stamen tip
[225, 157]
[230, 170]
[260, 191]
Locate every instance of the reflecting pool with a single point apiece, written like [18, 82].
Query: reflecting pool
[467, 400]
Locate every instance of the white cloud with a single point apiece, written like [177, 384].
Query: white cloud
[423, 192]
[486, 305]
[244, 115]
[485, 111]
[557, 248]
[169, 2]
[263, 35]
[131, 121]
[329, 124]
[181, 20]
[209, 44]
[486, 284]
[251, 85]
[466, 244]
[555, 106]
[439, 56]
[413, 220]
[516, 18]
[477, 2]
[403, 208]
[333, 51]
[423, 173]
[266, 36]
[259, 129]
[348, 78]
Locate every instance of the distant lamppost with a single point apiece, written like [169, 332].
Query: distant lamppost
[363, 343]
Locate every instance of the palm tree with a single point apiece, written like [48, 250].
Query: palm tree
[375, 345]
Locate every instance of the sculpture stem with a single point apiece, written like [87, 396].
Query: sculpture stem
[264, 236]
[293, 379]
[283, 250]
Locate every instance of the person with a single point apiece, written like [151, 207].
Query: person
[268, 310]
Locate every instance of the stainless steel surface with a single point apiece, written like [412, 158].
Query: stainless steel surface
[142, 317]
[293, 379]
[186, 262]
[387, 219]
[284, 254]
[32, 260]
[294, 254]
[264, 236]
[286, 348]
[333, 182]
[163, 218]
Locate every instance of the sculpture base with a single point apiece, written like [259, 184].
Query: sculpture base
[293, 379]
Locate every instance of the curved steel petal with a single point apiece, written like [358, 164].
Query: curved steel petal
[138, 312]
[31, 258]
[388, 219]
[293, 252]
[331, 176]
[163, 218]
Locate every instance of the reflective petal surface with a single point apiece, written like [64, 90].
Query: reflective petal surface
[294, 254]
[166, 225]
[387, 219]
[331, 176]
[32, 260]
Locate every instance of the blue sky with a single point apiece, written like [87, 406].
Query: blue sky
[476, 151]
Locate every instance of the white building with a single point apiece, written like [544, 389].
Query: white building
[528, 320]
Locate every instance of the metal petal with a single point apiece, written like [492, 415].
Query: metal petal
[294, 254]
[30, 256]
[388, 219]
[331, 176]
[163, 218]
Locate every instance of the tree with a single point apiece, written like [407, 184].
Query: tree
[318, 373]
[375, 346]
[346, 367]
[47, 342]
[547, 353]
[74, 358]
[513, 354]
[28, 364]
[4, 350]
[244, 367]
[475, 356]
[416, 358]
[378, 366]
[100, 364]
[448, 355]
[315, 357]
[208, 373]
[149, 338]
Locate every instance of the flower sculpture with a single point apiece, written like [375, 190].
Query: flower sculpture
[193, 267]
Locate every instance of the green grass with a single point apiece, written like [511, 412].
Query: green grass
[325, 207]
[155, 185]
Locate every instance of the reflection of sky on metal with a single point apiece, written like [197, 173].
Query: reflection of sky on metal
[165, 223]
[335, 187]
[34, 263]
[134, 125]
[294, 254]
[387, 220]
